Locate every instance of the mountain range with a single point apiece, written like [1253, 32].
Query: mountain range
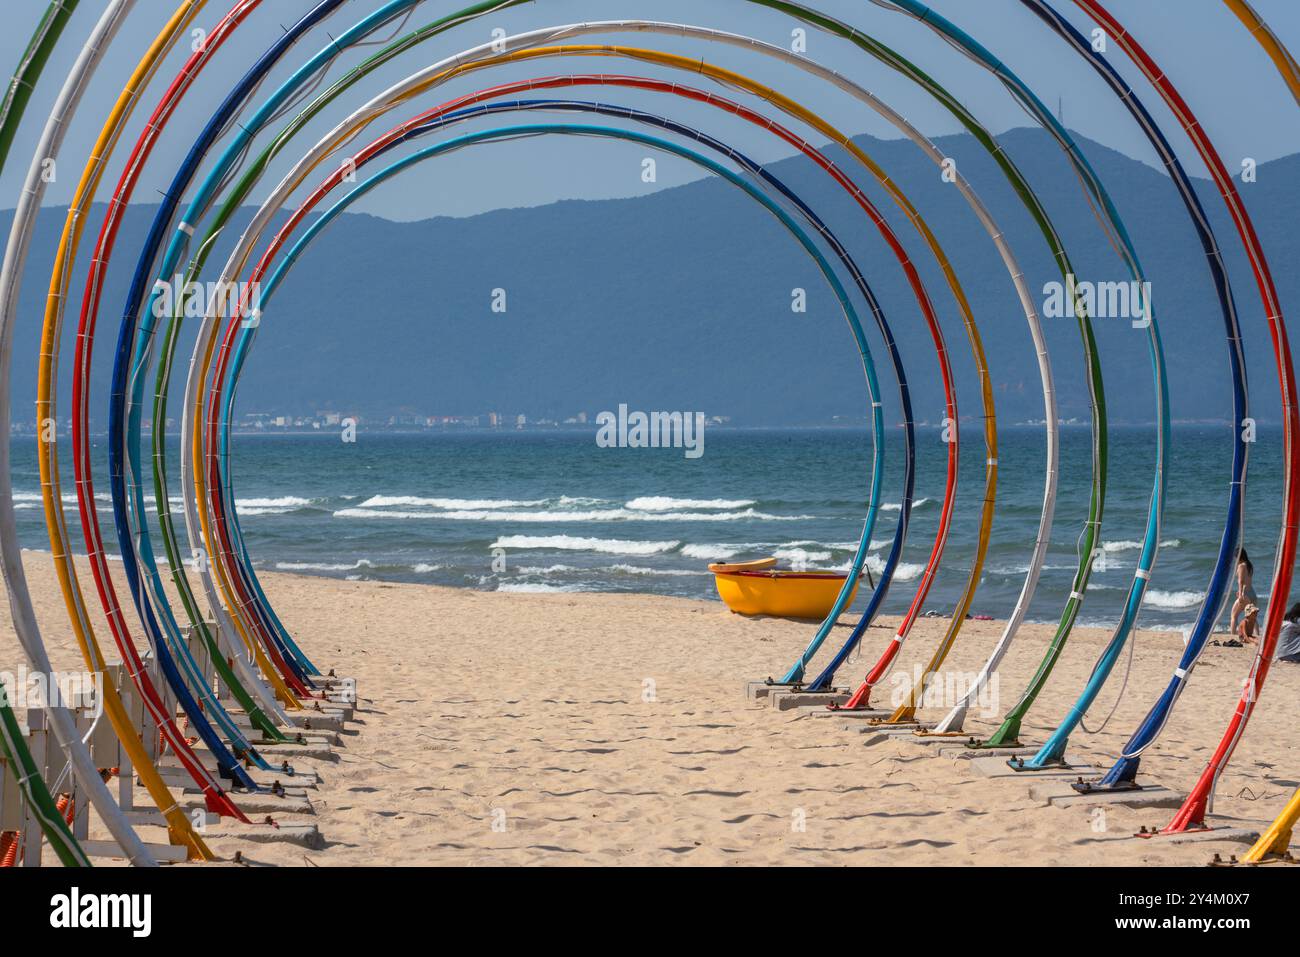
[681, 300]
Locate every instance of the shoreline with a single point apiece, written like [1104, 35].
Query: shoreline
[711, 599]
[613, 728]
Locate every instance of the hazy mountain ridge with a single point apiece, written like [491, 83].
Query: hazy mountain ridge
[681, 300]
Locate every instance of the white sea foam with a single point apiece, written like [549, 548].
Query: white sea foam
[664, 503]
[285, 501]
[611, 546]
[905, 571]
[321, 566]
[711, 553]
[833, 546]
[1024, 569]
[423, 568]
[641, 570]
[898, 506]
[1124, 546]
[1173, 599]
[800, 557]
[549, 515]
[415, 501]
[536, 587]
[69, 498]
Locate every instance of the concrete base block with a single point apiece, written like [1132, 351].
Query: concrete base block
[169, 763]
[1243, 835]
[304, 835]
[155, 819]
[308, 736]
[295, 785]
[891, 732]
[959, 752]
[172, 777]
[876, 734]
[298, 752]
[342, 711]
[259, 805]
[175, 776]
[935, 742]
[328, 720]
[759, 690]
[861, 716]
[995, 766]
[789, 700]
[1060, 794]
[860, 725]
[810, 710]
[163, 853]
[301, 779]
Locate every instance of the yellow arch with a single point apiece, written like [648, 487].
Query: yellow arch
[1280, 55]
[179, 829]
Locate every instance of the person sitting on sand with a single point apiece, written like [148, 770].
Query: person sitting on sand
[1245, 590]
[1288, 642]
[1246, 627]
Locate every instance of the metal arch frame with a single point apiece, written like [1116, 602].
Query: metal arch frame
[895, 61]
[180, 827]
[91, 296]
[1008, 734]
[150, 614]
[695, 66]
[1191, 815]
[222, 389]
[13, 745]
[1277, 836]
[210, 324]
[1053, 750]
[160, 637]
[229, 624]
[215, 480]
[485, 52]
[206, 341]
[20, 602]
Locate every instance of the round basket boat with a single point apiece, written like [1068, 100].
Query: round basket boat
[765, 590]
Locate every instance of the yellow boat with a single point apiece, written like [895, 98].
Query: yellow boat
[757, 588]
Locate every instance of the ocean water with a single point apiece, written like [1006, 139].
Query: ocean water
[553, 512]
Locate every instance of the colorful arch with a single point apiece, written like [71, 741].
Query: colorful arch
[1192, 813]
[483, 53]
[1053, 750]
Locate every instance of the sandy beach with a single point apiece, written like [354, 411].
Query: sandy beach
[609, 729]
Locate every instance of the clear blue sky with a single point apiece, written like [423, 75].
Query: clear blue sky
[1217, 66]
